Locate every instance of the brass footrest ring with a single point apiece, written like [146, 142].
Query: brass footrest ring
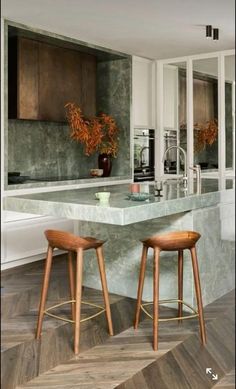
[102, 309]
[195, 313]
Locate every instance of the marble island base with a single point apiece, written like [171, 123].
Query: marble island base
[123, 254]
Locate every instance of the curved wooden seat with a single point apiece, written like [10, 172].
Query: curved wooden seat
[173, 241]
[72, 243]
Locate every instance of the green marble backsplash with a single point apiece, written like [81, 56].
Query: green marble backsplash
[114, 80]
[44, 149]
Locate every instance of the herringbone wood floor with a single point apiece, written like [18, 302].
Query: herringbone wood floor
[127, 360]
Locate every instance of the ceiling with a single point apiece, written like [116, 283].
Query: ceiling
[149, 28]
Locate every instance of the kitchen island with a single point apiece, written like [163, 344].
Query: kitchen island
[123, 222]
[81, 204]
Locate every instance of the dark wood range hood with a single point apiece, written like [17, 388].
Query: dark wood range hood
[43, 77]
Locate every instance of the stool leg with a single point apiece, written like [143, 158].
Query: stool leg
[198, 294]
[78, 297]
[72, 282]
[155, 297]
[140, 285]
[180, 283]
[44, 292]
[101, 265]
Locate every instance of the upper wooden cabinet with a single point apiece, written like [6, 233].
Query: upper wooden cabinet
[143, 92]
[47, 77]
[27, 79]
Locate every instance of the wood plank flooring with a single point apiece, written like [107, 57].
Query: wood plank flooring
[228, 382]
[23, 357]
[127, 360]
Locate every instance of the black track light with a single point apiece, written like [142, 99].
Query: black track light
[215, 34]
[208, 31]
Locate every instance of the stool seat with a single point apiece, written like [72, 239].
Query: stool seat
[70, 242]
[172, 241]
[75, 246]
[177, 240]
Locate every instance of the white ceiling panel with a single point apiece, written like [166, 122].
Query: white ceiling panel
[153, 28]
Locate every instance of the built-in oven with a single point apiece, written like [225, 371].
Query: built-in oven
[144, 154]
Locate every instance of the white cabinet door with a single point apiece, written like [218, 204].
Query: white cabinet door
[143, 92]
[24, 239]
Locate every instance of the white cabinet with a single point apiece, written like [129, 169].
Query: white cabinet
[144, 94]
[23, 237]
[143, 101]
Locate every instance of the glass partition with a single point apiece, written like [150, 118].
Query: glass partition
[200, 110]
[205, 113]
[230, 111]
[174, 116]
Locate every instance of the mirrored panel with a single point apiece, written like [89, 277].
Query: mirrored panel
[174, 117]
[205, 113]
[229, 111]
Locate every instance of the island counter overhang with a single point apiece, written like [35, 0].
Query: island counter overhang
[81, 204]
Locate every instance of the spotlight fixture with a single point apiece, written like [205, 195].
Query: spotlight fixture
[215, 34]
[209, 31]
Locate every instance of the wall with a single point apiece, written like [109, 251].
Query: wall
[114, 97]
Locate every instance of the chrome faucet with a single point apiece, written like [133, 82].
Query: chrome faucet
[197, 169]
[185, 178]
[141, 155]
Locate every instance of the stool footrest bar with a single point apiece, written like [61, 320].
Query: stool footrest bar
[190, 316]
[46, 312]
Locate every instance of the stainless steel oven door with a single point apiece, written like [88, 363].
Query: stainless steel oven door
[144, 149]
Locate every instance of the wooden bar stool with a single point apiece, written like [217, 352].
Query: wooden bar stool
[73, 244]
[174, 241]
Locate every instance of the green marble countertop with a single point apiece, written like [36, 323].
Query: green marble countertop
[81, 204]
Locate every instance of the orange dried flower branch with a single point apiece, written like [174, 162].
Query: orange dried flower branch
[205, 133]
[97, 134]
